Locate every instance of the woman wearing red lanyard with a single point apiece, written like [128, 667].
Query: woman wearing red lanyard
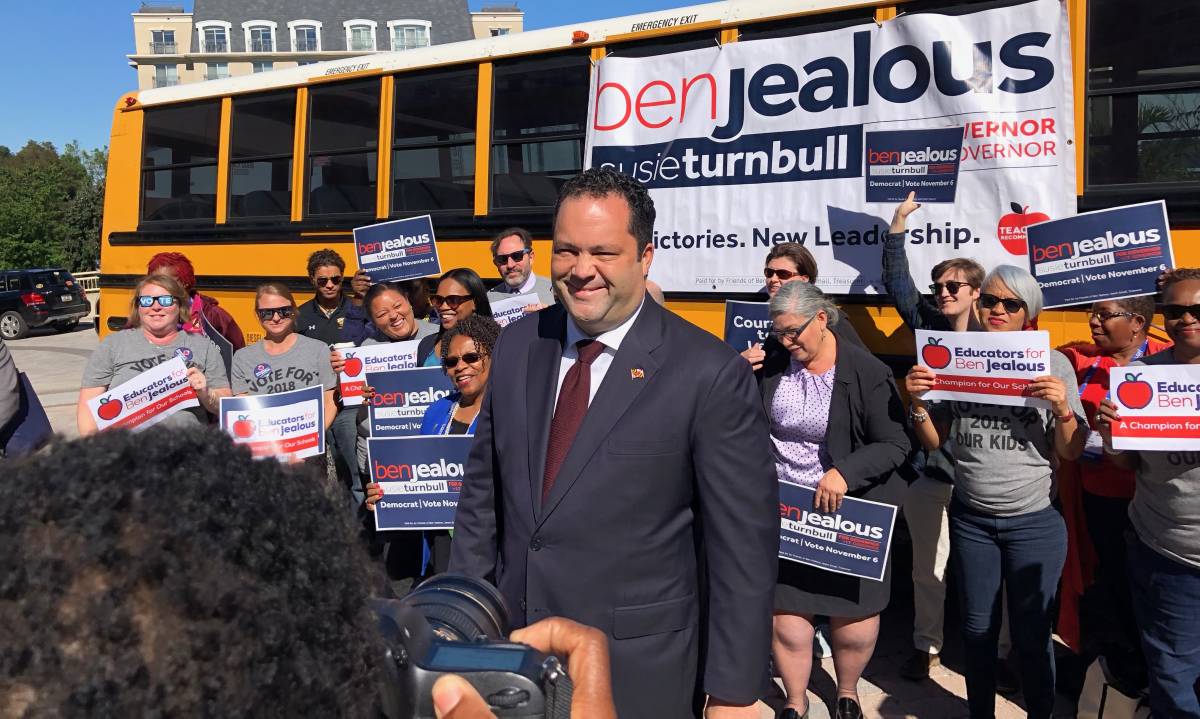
[1095, 495]
[466, 351]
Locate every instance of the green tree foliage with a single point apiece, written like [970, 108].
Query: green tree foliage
[50, 206]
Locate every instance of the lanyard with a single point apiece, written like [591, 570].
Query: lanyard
[1096, 365]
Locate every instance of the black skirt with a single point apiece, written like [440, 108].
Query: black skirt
[801, 589]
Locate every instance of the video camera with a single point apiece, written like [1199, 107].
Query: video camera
[453, 624]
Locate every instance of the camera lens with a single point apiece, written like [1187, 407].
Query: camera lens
[460, 608]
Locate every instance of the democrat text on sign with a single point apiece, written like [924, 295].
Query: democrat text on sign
[1159, 407]
[145, 400]
[277, 425]
[421, 479]
[986, 367]
[386, 357]
[854, 540]
[397, 250]
[401, 399]
[746, 324]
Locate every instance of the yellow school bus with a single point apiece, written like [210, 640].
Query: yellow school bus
[248, 175]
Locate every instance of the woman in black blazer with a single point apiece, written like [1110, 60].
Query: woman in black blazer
[837, 425]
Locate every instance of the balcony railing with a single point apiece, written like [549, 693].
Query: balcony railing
[262, 46]
[164, 48]
[214, 46]
[304, 44]
[166, 81]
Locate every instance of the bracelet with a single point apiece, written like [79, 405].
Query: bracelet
[918, 417]
[1065, 417]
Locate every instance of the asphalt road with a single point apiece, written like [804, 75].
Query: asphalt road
[54, 363]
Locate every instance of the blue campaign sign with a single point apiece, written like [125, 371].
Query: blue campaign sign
[1102, 255]
[855, 540]
[397, 250]
[277, 425]
[401, 398]
[746, 324]
[921, 161]
[421, 479]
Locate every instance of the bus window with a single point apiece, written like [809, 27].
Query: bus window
[260, 170]
[179, 162]
[343, 140]
[539, 110]
[433, 158]
[805, 24]
[665, 45]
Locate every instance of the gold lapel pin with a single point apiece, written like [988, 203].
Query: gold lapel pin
[637, 373]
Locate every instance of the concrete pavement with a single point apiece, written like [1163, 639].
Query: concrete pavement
[54, 363]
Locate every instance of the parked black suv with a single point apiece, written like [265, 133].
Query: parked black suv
[36, 298]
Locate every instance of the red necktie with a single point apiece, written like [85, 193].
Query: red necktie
[568, 413]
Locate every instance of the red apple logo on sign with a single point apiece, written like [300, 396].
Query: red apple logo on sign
[243, 427]
[1134, 393]
[353, 367]
[109, 409]
[934, 354]
[1011, 229]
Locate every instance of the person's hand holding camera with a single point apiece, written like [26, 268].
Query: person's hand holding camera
[585, 652]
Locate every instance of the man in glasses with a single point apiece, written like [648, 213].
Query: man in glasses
[620, 449]
[512, 253]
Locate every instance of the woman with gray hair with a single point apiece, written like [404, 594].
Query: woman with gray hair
[1003, 529]
[837, 426]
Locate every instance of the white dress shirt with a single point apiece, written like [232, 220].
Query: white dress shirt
[612, 342]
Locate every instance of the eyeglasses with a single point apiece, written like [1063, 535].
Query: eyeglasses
[1106, 316]
[1011, 306]
[951, 287]
[783, 275]
[454, 301]
[793, 334]
[470, 358]
[501, 260]
[146, 301]
[268, 313]
[322, 281]
[1176, 312]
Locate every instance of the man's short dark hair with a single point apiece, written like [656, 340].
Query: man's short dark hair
[521, 232]
[602, 182]
[167, 573]
[325, 258]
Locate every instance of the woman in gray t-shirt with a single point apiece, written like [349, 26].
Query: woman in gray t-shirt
[158, 308]
[1003, 530]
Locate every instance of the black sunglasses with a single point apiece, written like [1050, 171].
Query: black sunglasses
[454, 301]
[1011, 306]
[267, 313]
[1176, 312]
[793, 334]
[322, 281]
[784, 275]
[951, 287]
[470, 358]
[501, 260]
[1106, 316]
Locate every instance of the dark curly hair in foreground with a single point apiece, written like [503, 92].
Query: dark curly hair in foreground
[482, 330]
[168, 574]
[602, 182]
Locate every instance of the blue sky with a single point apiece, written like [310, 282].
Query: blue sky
[65, 68]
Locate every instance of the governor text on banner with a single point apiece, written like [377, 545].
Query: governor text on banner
[754, 143]
[147, 399]
[421, 479]
[746, 324]
[855, 540]
[401, 398]
[985, 367]
[386, 357]
[397, 250]
[1101, 255]
[286, 424]
[1159, 407]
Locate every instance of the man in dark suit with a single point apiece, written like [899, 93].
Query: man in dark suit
[621, 474]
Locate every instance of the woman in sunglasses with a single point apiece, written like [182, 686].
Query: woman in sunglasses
[466, 351]
[460, 294]
[1164, 562]
[1003, 529]
[158, 309]
[283, 360]
[837, 426]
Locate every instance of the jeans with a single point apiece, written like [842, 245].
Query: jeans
[1166, 600]
[344, 435]
[1025, 553]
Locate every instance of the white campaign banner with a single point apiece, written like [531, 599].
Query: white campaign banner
[755, 143]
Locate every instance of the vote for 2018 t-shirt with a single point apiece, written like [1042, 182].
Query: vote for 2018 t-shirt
[306, 364]
[126, 354]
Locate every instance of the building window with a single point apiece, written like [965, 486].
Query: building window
[409, 34]
[260, 148]
[259, 35]
[214, 36]
[267, 66]
[216, 71]
[343, 147]
[162, 42]
[498, 31]
[166, 75]
[302, 63]
[433, 151]
[360, 35]
[306, 35]
[179, 162]
[539, 108]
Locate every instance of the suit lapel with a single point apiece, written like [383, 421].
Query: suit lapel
[631, 371]
[541, 382]
[838, 430]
